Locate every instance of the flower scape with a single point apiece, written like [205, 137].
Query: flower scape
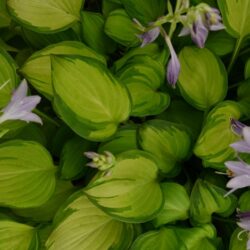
[124, 125]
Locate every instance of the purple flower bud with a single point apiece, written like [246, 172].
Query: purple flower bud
[149, 36]
[21, 105]
[214, 20]
[237, 126]
[199, 33]
[243, 146]
[173, 68]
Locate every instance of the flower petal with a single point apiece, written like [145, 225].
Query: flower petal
[31, 117]
[20, 92]
[245, 224]
[150, 36]
[215, 27]
[238, 167]
[184, 31]
[237, 126]
[241, 147]
[246, 134]
[240, 181]
[199, 33]
[29, 103]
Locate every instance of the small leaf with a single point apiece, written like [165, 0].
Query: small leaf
[80, 225]
[93, 33]
[213, 143]
[207, 84]
[236, 242]
[144, 10]
[207, 199]
[170, 143]
[27, 174]
[72, 160]
[176, 206]
[121, 28]
[45, 16]
[95, 104]
[130, 192]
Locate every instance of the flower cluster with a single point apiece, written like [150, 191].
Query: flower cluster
[197, 21]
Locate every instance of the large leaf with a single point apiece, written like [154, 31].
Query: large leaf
[37, 69]
[213, 143]
[130, 191]
[207, 199]
[4, 17]
[47, 211]
[17, 236]
[95, 104]
[80, 225]
[168, 141]
[207, 84]
[45, 15]
[236, 16]
[27, 174]
[8, 77]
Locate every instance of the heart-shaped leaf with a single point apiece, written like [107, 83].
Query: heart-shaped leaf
[37, 69]
[45, 15]
[95, 104]
[129, 191]
[80, 225]
[207, 84]
[27, 174]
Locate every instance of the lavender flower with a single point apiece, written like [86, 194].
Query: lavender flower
[199, 21]
[240, 173]
[173, 68]
[149, 36]
[244, 223]
[243, 146]
[21, 105]
[101, 161]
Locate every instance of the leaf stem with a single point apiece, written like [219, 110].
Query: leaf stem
[46, 117]
[235, 54]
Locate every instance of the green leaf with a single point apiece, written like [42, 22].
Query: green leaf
[243, 203]
[93, 33]
[220, 43]
[40, 40]
[45, 16]
[8, 77]
[236, 16]
[176, 206]
[157, 240]
[144, 10]
[72, 160]
[110, 5]
[213, 143]
[170, 143]
[16, 236]
[130, 191]
[121, 28]
[27, 174]
[4, 16]
[181, 113]
[125, 139]
[95, 104]
[47, 211]
[37, 69]
[207, 199]
[143, 76]
[80, 225]
[236, 242]
[205, 86]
